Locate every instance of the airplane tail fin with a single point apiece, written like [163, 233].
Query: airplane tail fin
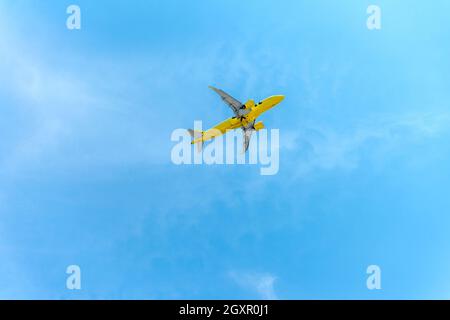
[197, 138]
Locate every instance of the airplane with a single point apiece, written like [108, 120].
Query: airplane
[244, 117]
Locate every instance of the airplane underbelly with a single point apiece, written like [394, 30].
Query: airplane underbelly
[255, 113]
[245, 121]
[251, 116]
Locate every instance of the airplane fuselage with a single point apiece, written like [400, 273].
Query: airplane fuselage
[260, 108]
[251, 112]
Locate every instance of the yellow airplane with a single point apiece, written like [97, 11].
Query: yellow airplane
[244, 117]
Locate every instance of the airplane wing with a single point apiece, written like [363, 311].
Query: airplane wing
[247, 137]
[234, 104]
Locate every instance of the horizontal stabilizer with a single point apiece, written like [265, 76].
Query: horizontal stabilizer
[197, 138]
[259, 125]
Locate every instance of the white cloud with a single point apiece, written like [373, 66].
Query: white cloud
[321, 147]
[69, 116]
[260, 283]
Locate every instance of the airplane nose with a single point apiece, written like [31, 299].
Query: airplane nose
[274, 100]
[278, 99]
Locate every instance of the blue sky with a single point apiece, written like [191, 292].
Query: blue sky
[86, 176]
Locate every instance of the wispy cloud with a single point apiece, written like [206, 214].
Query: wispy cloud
[322, 147]
[69, 115]
[260, 283]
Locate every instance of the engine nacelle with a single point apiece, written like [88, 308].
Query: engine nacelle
[249, 104]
